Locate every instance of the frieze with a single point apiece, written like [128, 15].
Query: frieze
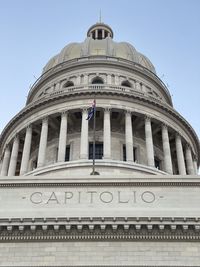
[103, 198]
[92, 197]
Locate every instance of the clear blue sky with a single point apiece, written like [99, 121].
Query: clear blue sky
[166, 31]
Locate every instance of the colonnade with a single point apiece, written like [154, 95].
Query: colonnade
[10, 156]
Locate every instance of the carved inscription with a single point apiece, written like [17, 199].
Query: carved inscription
[93, 197]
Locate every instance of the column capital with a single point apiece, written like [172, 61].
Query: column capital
[84, 110]
[16, 137]
[188, 146]
[28, 126]
[128, 112]
[164, 125]
[7, 146]
[45, 119]
[195, 158]
[177, 134]
[147, 118]
[64, 112]
[107, 109]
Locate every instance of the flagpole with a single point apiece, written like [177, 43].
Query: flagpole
[93, 152]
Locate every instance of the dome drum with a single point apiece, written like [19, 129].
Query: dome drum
[111, 74]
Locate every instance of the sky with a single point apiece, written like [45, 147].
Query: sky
[166, 31]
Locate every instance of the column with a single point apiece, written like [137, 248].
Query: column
[195, 165]
[26, 151]
[43, 143]
[13, 158]
[57, 86]
[6, 159]
[180, 156]
[103, 34]
[116, 80]
[166, 150]
[85, 79]
[62, 138]
[143, 88]
[106, 135]
[84, 135]
[53, 88]
[189, 161]
[78, 80]
[96, 34]
[109, 79]
[137, 86]
[149, 142]
[128, 136]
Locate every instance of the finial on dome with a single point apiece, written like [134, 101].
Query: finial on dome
[100, 31]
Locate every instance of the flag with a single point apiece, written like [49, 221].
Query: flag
[92, 110]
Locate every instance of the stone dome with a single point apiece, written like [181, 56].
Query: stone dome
[99, 42]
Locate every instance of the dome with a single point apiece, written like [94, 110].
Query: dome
[99, 42]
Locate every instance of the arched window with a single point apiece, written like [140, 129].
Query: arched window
[68, 84]
[97, 80]
[126, 83]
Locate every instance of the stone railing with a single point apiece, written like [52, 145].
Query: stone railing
[97, 87]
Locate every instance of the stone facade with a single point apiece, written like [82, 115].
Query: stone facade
[143, 207]
[101, 253]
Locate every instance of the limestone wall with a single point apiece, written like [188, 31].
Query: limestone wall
[100, 253]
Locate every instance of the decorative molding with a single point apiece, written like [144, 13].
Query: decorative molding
[28, 183]
[101, 229]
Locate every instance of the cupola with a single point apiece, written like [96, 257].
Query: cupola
[100, 31]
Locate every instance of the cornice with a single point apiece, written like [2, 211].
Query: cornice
[100, 229]
[85, 181]
[42, 103]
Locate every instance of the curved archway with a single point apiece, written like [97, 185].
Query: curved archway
[126, 83]
[97, 80]
[68, 84]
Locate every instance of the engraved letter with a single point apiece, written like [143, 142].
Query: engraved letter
[120, 200]
[105, 199]
[91, 195]
[53, 197]
[68, 195]
[134, 197]
[148, 197]
[36, 198]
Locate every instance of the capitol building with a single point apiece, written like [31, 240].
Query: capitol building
[142, 209]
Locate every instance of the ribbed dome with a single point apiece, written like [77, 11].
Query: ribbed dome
[100, 42]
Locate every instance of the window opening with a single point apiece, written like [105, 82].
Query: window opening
[97, 80]
[68, 84]
[67, 153]
[157, 163]
[98, 150]
[99, 34]
[126, 83]
[134, 153]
